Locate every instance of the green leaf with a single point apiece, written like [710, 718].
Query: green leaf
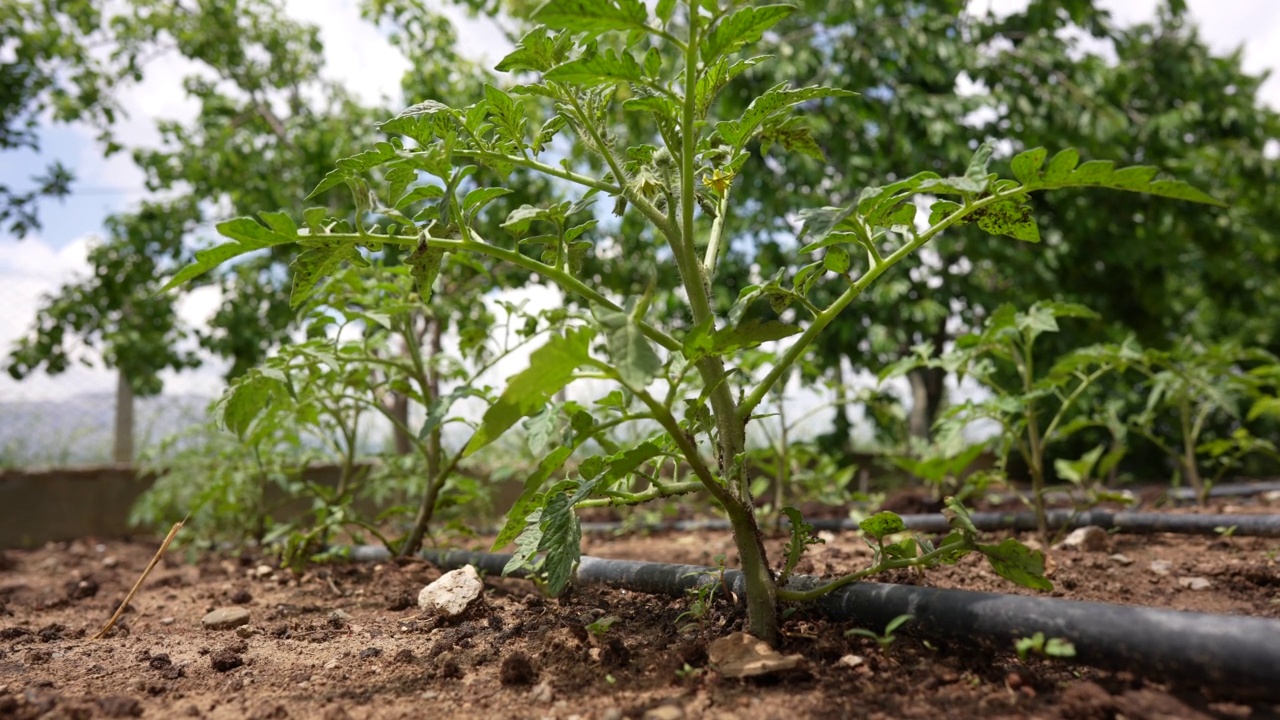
[439, 408]
[1008, 217]
[603, 68]
[593, 16]
[561, 540]
[626, 462]
[480, 197]
[246, 234]
[776, 101]
[1017, 563]
[318, 262]
[1026, 165]
[1061, 165]
[716, 76]
[355, 166]
[634, 358]
[551, 367]
[750, 333]
[523, 506]
[424, 266]
[958, 517]
[882, 524]
[836, 260]
[537, 51]
[665, 9]
[742, 28]
[247, 399]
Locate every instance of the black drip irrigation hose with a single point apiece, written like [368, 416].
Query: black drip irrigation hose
[1124, 522]
[1219, 491]
[1227, 654]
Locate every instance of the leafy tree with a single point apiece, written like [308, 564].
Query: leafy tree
[50, 71]
[1166, 100]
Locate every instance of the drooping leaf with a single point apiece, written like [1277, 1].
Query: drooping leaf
[439, 409]
[1017, 563]
[318, 261]
[561, 540]
[478, 198]
[551, 367]
[1011, 218]
[424, 266]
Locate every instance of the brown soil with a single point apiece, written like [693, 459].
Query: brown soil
[348, 642]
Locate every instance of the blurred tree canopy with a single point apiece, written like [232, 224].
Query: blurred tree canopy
[934, 82]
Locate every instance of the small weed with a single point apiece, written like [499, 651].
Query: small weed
[887, 638]
[1055, 647]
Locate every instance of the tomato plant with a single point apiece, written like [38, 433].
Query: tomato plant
[674, 165]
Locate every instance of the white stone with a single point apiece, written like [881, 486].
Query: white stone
[453, 593]
[850, 661]
[1090, 538]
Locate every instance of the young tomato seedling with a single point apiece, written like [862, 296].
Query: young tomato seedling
[671, 166]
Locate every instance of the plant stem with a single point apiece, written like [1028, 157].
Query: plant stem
[653, 493]
[885, 564]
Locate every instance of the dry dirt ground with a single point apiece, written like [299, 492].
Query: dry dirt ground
[348, 641]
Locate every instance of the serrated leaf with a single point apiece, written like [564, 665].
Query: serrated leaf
[742, 28]
[439, 408]
[551, 367]
[632, 353]
[593, 16]
[537, 51]
[423, 192]
[480, 197]
[318, 262]
[1061, 165]
[424, 265]
[355, 166]
[958, 517]
[423, 122]
[1026, 165]
[246, 235]
[247, 399]
[745, 335]
[882, 524]
[836, 259]
[561, 540]
[777, 100]
[1017, 563]
[626, 463]
[1009, 217]
[602, 68]
[717, 75]
[523, 506]
[665, 9]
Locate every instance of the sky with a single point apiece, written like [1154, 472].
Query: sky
[359, 56]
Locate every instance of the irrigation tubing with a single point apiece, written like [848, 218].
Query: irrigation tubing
[1223, 653]
[1233, 490]
[1123, 521]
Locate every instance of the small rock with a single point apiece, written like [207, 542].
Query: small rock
[247, 631]
[1161, 567]
[241, 597]
[1121, 559]
[331, 665]
[740, 655]
[262, 571]
[664, 712]
[1090, 538]
[612, 714]
[517, 669]
[226, 618]
[851, 661]
[1195, 583]
[341, 616]
[453, 593]
[167, 620]
[110, 561]
[541, 693]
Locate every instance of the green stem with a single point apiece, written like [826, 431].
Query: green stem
[653, 493]
[806, 338]
[885, 564]
[545, 169]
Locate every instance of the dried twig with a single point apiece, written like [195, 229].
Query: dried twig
[173, 532]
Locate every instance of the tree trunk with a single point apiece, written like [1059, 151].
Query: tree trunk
[927, 390]
[122, 450]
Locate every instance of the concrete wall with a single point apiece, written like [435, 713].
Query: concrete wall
[37, 506]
